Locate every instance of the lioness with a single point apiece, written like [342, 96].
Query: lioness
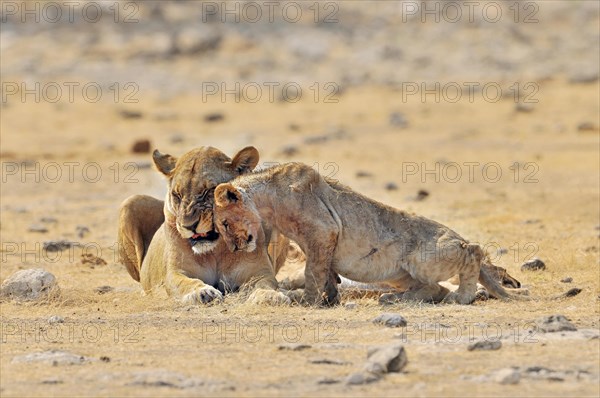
[357, 237]
[174, 243]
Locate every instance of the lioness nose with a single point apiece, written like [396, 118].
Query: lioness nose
[193, 226]
[250, 237]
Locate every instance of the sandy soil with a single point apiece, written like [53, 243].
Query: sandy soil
[523, 180]
[156, 347]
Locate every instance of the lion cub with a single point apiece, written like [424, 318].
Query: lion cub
[344, 232]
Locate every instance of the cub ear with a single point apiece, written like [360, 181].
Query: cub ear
[226, 194]
[165, 163]
[245, 160]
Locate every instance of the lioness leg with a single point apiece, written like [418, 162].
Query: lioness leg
[140, 216]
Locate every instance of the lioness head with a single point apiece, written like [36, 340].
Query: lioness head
[191, 182]
[237, 219]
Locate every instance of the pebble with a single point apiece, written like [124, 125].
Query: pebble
[104, 289]
[421, 195]
[351, 305]
[391, 186]
[214, 117]
[524, 107]
[363, 174]
[289, 150]
[92, 260]
[569, 293]
[397, 119]
[586, 127]
[52, 357]
[533, 265]
[58, 245]
[390, 320]
[141, 146]
[127, 114]
[37, 228]
[56, 319]
[385, 359]
[507, 376]
[555, 323]
[293, 347]
[568, 279]
[485, 345]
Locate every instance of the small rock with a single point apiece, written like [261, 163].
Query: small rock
[52, 357]
[127, 114]
[485, 345]
[543, 373]
[327, 380]
[397, 119]
[294, 127]
[293, 347]
[569, 293]
[105, 359]
[214, 117]
[390, 320]
[176, 138]
[584, 77]
[532, 221]
[195, 40]
[524, 107]
[56, 319]
[141, 146]
[37, 228]
[507, 376]
[385, 359]
[52, 381]
[327, 361]
[587, 126]
[104, 289]
[421, 195]
[568, 279]
[48, 220]
[555, 323]
[28, 284]
[533, 265]
[391, 186]
[363, 174]
[163, 378]
[316, 139]
[82, 230]
[289, 150]
[58, 245]
[362, 378]
[351, 305]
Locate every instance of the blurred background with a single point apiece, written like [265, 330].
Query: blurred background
[419, 104]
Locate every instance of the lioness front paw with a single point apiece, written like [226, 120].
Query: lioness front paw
[202, 295]
[459, 298]
[270, 297]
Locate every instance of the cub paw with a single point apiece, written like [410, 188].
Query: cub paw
[482, 294]
[269, 297]
[202, 295]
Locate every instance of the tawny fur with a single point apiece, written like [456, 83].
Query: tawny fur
[154, 236]
[344, 232]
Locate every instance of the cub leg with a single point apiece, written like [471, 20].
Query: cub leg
[319, 287]
[468, 274]
[429, 293]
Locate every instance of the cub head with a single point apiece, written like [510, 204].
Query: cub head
[237, 219]
[192, 180]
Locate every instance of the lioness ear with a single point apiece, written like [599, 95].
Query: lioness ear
[226, 194]
[245, 160]
[165, 163]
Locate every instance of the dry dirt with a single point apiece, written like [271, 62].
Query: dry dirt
[546, 206]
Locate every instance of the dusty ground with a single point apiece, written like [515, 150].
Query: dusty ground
[232, 349]
[546, 206]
